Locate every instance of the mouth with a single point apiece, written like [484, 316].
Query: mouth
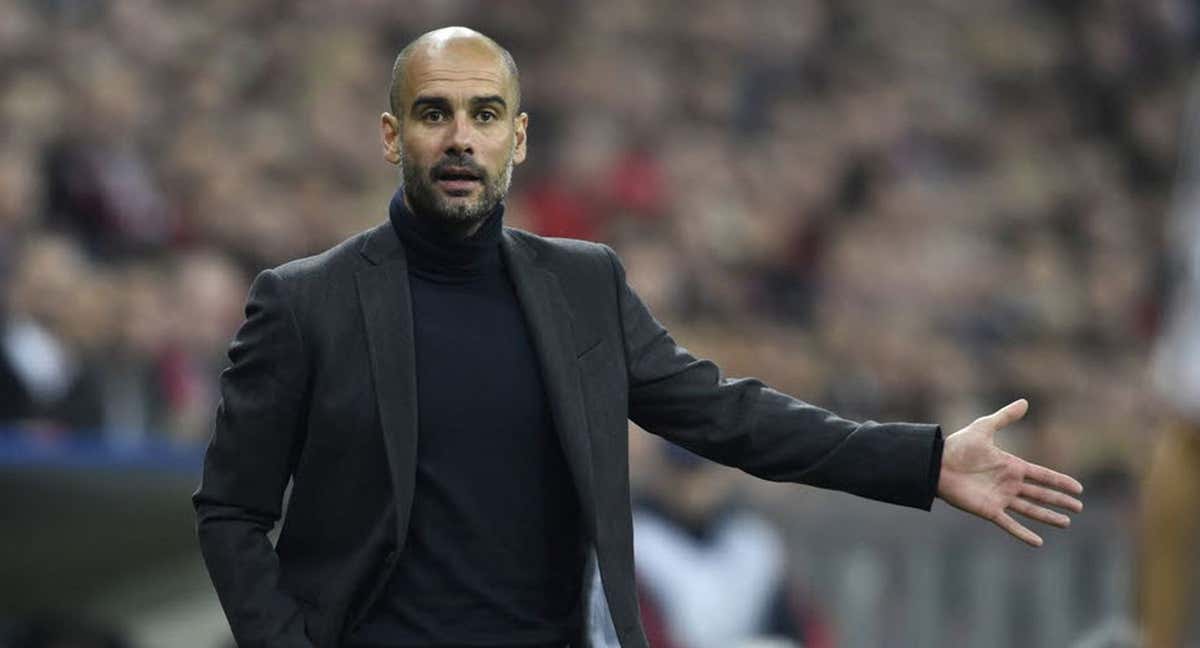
[457, 181]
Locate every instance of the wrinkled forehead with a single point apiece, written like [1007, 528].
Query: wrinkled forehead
[457, 70]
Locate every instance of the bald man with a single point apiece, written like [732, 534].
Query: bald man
[449, 398]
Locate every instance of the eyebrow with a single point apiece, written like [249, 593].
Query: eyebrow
[442, 102]
[489, 99]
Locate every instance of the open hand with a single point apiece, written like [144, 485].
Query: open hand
[982, 479]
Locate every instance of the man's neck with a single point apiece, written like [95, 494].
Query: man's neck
[460, 230]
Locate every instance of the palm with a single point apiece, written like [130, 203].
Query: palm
[980, 478]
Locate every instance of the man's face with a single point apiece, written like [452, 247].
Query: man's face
[457, 139]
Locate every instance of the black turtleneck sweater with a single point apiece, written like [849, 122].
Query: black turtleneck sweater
[492, 556]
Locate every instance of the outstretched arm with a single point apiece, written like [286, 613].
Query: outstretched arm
[980, 478]
[746, 424]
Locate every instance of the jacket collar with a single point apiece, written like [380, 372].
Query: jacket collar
[381, 245]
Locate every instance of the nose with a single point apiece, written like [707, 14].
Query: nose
[462, 135]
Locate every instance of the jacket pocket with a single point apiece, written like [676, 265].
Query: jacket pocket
[589, 349]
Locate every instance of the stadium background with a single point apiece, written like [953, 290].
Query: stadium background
[913, 210]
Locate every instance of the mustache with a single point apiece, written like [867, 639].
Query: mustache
[457, 165]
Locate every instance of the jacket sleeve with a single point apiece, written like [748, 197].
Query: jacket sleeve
[256, 439]
[746, 424]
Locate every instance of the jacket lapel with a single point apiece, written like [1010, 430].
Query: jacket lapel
[383, 294]
[549, 320]
[386, 303]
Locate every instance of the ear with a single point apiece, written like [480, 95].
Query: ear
[521, 123]
[390, 127]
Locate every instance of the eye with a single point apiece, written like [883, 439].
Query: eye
[433, 115]
[486, 116]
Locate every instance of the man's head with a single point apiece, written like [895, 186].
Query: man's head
[455, 126]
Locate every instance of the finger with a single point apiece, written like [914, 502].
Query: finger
[1019, 532]
[1010, 413]
[1035, 512]
[1051, 497]
[1052, 478]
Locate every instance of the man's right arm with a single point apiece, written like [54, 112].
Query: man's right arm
[257, 437]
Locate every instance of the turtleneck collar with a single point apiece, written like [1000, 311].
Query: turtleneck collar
[436, 254]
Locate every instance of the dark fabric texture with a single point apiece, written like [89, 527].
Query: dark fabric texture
[322, 390]
[493, 555]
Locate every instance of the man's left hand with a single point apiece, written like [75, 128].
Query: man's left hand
[982, 479]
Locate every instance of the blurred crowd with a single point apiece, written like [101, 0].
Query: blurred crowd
[914, 210]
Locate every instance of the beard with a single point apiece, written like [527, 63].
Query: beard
[427, 199]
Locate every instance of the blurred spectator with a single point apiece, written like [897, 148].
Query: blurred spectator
[206, 305]
[105, 198]
[134, 395]
[711, 572]
[1171, 493]
[55, 324]
[699, 548]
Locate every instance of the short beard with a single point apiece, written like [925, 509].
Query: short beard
[426, 200]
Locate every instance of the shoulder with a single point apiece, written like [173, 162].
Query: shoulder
[559, 253]
[581, 266]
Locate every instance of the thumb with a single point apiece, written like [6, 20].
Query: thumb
[1009, 414]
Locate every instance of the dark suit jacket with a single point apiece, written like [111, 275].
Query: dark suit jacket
[322, 390]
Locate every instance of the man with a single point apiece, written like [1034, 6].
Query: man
[449, 398]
